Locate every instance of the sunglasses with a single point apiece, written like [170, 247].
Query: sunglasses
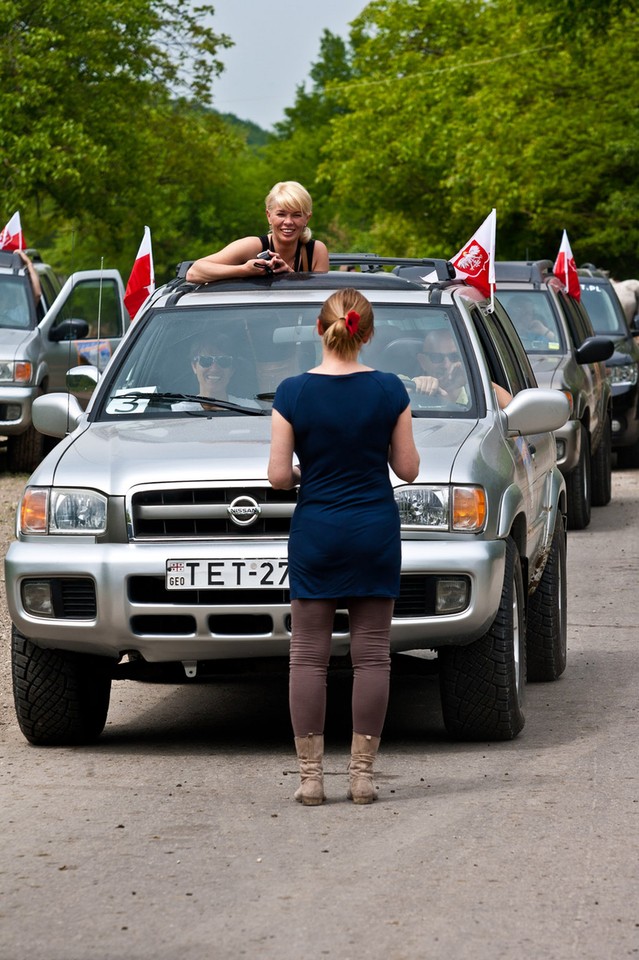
[205, 361]
[440, 357]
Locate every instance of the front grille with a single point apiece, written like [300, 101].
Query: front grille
[202, 513]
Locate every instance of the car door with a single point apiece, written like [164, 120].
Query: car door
[580, 329]
[96, 297]
[534, 455]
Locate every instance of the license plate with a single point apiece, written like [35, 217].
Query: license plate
[236, 574]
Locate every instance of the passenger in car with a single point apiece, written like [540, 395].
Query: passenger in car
[287, 248]
[214, 365]
[346, 423]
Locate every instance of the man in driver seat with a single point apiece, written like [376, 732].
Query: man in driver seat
[444, 373]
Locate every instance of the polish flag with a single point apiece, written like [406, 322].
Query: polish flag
[142, 280]
[11, 237]
[475, 262]
[566, 268]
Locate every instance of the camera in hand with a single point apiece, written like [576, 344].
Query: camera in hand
[265, 255]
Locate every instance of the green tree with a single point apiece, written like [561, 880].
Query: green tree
[97, 138]
[457, 106]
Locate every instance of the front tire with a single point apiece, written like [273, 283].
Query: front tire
[61, 698]
[578, 486]
[547, 623]
[482, 684]
[25, 451]
[602, 469]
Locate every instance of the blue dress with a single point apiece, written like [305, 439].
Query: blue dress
[345, 533]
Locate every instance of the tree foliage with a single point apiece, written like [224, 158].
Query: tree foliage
[407, 134]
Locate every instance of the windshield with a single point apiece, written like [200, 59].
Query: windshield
[229, 360]
[603, 308]
[534, 320]
[14, 303]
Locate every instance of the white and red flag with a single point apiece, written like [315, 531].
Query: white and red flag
[475, 262]
[566, 268]
[142, 280]
[11, 237]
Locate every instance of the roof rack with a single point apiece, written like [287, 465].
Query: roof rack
[371, 263]
[532, 271]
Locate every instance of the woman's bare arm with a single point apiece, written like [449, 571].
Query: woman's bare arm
[282, 475]
[403, 456]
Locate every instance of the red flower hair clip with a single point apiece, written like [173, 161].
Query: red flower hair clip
[352, 322]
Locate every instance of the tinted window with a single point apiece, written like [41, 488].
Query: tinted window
[603, 308]
[98, 304]
[533, 317]
[15, 303]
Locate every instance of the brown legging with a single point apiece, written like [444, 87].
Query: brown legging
[312, 628]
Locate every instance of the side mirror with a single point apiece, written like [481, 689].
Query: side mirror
[634, 325]
[595, 350]
[69, 330]
[536, 411]
[56, 414]
[81, 381]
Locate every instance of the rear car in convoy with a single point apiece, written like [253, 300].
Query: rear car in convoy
[566, 355]
[609, 320]
[81, 321]
[151, 536]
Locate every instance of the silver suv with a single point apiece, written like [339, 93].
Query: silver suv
[566, 355]
[150, 534]
[80, 322]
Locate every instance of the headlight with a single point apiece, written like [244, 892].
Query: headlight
[625, 373]
[442, 508]
[15, 371]
[51, 511]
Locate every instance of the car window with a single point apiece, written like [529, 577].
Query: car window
[97, 303]
[577, 319]
[15, 304]
[240, 354]
[500, 351]
[605, 315]
[533, 317]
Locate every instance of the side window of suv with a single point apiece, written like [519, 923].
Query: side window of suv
[98, 304]
[578, 323]
[505, 366]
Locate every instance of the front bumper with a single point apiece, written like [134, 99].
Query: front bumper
[15, 409]
[131, 612]
[568, 439]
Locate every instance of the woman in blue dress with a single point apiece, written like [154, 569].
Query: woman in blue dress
[345, 423]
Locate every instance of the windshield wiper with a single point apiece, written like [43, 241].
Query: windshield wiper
[194, 398]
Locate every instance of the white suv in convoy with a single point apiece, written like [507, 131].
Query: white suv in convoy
[151, 536]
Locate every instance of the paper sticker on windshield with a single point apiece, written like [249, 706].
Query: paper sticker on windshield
[128, 401]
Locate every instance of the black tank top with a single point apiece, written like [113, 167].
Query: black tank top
[298, 265]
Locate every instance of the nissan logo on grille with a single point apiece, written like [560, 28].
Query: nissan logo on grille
[244, 510]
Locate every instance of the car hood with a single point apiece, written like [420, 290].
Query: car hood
[115, 457]
[11, 340]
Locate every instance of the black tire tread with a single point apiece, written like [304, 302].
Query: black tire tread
[601, 469]
[61, 698]
[546, 623]
[477, 683]
[25, 451]
[579, 507]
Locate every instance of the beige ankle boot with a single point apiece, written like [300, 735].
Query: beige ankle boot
[360, 771]
[310, 752]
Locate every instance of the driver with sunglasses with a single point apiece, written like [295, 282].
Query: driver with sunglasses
[444, 372]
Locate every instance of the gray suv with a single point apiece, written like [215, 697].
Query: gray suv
[81, 321]
[566, 355]
[150, 535]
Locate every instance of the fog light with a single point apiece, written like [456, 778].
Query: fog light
[14, 411]
[561, 448]
[451, 595]
[36, 597]
[616, 426]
